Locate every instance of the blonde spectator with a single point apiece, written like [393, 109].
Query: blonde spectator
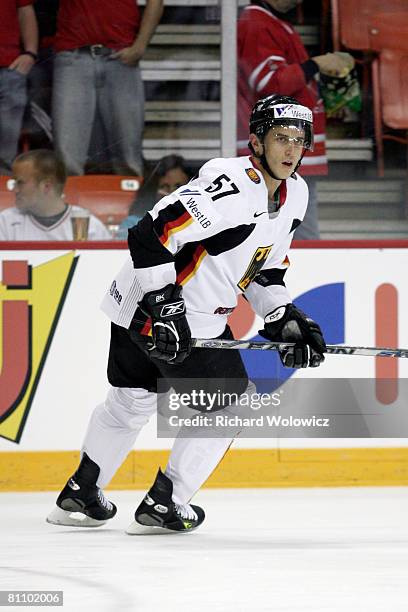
[41, 212]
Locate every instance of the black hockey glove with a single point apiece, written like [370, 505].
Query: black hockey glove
[170, 330]
[289, 324]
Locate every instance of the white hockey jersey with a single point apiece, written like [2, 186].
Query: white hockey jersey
[214, 237]
[16, 225]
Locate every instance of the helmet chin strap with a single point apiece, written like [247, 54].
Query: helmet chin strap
[266, 166]
[298, 164]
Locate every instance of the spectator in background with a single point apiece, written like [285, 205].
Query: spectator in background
[41, 212]
[99, 44]
[273, 59]
[168, 174]
[18, 53]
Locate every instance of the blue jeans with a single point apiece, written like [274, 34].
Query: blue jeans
[13, 98]
[84, 84]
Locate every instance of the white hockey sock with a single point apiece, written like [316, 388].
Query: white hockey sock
[114, 427]
[191, 462]
[193, 459]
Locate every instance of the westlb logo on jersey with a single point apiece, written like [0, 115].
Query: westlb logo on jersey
[31, 300]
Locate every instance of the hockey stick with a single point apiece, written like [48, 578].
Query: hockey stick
[332, 349]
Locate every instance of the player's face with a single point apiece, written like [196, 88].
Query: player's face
[172, 180]
[283, 148]
[26, 186]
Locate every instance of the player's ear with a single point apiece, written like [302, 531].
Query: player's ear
[256, 144]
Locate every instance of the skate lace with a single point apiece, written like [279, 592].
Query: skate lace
[105, 503]
[185, 511]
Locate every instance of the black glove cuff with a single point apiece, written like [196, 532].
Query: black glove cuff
[289, 324]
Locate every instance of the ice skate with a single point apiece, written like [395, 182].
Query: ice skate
[81, 503]
[158, 514]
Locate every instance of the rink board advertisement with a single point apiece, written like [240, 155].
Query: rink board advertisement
[54, 344]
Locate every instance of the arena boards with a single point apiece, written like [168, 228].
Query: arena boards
[53, 371]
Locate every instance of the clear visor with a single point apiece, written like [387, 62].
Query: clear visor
[295, 131]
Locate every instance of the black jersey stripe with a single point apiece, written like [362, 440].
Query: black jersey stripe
[228, 239]
[167, 215]
[215, 245]
[295, 224]
[186, 258]
[145, 247]
[270, 276]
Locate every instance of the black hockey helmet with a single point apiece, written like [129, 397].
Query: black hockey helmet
[276, 110]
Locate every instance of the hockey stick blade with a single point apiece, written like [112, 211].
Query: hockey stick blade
[332, 349]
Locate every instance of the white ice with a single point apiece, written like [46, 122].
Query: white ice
[343, 549]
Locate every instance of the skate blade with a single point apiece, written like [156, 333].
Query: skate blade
[72, 519]
[139, 529]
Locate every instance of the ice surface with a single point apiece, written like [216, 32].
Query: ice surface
[259, 549]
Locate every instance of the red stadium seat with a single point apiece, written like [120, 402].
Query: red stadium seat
[388, 36]
[351, 20]
[7, 197]
[351, 29]
[107, 196]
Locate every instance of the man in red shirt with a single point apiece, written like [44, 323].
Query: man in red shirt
[18, 52]
[273, 59]
[99, 44]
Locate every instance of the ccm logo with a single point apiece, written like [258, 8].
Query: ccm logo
[224, 310]
[169, 310]
[114, 292]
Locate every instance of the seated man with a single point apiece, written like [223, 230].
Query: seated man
[41, 212]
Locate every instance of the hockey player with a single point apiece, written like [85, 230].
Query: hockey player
[225, 233]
